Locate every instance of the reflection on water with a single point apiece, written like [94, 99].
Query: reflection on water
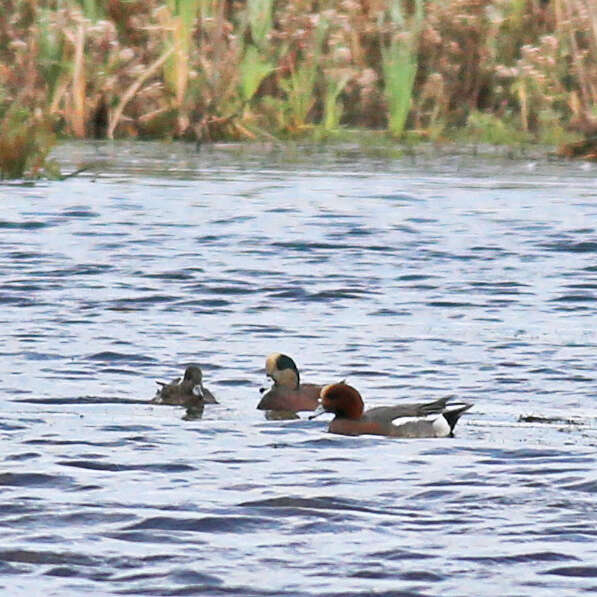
[410, 278]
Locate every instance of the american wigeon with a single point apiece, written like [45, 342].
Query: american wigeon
[287, 392]
[188, 392]
[346, 403]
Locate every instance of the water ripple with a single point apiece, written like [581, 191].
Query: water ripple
[410, 278]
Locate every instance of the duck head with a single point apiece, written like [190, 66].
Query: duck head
[194, 378]
[283, 370]
[342, 400]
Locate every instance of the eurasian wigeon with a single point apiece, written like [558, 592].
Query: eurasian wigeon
[346, 403]
[287, 393]
[188, 392]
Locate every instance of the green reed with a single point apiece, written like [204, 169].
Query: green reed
[299, 86]
[254, 66]
[25, 143]
[332, 108]
[399, 64]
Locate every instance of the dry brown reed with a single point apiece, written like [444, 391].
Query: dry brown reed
[212, 69]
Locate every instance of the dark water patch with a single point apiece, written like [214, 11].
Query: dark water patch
[420, 576]
[569, 246]
[539, 455]
[573, 571]
[73, 442]
[339, 293]
[237, 460]
[574, 378]
[11, 426]
[502, 287]
[21, 507]
[212, 238]
[587, 487]
[171, 275]
[83, 269]
[23, 456]
[584, 286]
[234, 220]
[206, 524]
[212, 591]
[547, 371]
[236, 383]
[6, 569]
[322, 503]
[27, 256]
[150, 536]
[497, 251]
[31, 355]
[85, 399]
[308, 247]
[257, 328]
[453, 304]
[111, 467]
[35, 480]
[240, 289]
[293, 292]
[367, 592]
[127, 428]
[31, 225]
[434, 494]
[142, 300]
[405, 229]
[120, 371]
[215, 303]
[22, 285]
[415, 277]
[19, 301]
[398, 198]
[574, 298]
[189, 577]
[138, 576]
[63, 572]
[109, 356]
[80, 212]
[389, 313]
[401, 554]
[540, 556]
[549, 420]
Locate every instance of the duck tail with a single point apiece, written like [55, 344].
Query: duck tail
[454, 414]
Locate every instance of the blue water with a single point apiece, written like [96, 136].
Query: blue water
[412, 278]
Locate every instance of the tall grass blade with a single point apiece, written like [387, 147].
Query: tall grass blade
[399, 65]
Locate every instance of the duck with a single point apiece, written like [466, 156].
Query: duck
[287, 392]
[346, 403]
[189, 392]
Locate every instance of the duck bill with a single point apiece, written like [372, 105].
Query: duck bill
[267, 386]
[318, 411]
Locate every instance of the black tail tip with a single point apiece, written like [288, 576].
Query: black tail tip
[454, 414]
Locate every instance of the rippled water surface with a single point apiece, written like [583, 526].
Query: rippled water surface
[411, 278]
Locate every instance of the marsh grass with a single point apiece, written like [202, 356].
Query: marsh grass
[209, 70]
[299, 86]
[399, 63]
[25, 143]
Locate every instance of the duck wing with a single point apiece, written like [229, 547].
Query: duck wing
[164, 384]
[386, 414]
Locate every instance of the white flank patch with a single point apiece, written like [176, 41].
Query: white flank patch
[441, 427]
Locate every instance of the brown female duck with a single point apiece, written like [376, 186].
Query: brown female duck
[189, 391]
